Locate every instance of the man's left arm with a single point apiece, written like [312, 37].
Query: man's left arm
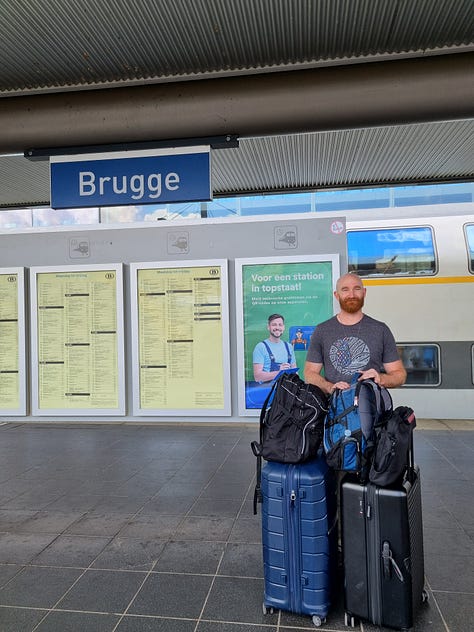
[395, 375]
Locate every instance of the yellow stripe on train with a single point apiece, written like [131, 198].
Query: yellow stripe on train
[419, 280]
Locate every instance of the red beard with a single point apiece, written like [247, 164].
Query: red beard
[351, 305]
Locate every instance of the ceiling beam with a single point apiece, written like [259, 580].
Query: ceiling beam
[344, 97]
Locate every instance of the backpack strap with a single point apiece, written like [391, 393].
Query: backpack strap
[383, 399]
[257, 447]
[337, 393]
[257, 494]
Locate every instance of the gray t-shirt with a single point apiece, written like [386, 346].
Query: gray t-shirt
[347, 349]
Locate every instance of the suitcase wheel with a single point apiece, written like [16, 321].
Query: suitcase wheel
[266, 610]
[349, 620]
[318, 621]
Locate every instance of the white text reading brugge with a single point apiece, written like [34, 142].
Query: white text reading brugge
[138, 185]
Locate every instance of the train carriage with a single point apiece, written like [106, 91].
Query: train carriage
[419, 271]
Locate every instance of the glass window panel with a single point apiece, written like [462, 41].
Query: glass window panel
[469, 231]
[20, 218]
[421, 362]
[453, 193]
[66, 217]
[391, 251]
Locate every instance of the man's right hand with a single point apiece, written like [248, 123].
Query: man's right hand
[340, 385]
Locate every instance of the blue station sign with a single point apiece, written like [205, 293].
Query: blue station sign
[131, 177]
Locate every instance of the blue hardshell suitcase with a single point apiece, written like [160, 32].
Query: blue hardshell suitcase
[299, 536]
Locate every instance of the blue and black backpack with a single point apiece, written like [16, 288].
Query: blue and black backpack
[349, 425]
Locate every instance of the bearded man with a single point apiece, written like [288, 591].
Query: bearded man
[273, 355]
[352, 343]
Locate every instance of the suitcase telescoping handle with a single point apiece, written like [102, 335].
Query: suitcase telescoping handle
[411, 460]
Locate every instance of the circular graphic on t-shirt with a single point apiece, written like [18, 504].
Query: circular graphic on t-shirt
[349, 355]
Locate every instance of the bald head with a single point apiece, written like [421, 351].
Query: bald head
[350, 292]
[349, 279]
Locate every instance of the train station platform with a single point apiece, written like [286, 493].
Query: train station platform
[135, 527]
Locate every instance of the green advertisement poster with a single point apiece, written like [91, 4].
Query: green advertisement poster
[301, 293]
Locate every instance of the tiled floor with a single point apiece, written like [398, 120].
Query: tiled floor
[141, 528]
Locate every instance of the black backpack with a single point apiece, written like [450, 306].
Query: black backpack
[291, 424]
[393, 442]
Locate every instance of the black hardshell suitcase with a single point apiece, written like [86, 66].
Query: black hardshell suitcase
[382, 540]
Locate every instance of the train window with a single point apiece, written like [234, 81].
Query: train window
[469, 232]
[421, 362]
[391, 251]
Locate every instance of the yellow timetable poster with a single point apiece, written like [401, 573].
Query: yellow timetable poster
[180, 338]
[9, 343]
[77, 340]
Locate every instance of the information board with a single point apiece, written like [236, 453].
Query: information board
[299, 291]
[180, 338]
[12, 342]
[77, 340]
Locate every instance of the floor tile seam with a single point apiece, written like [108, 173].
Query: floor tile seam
[46, 614]
[31, 562]
[148, 574]
[69, 589]
[14, 576]
[28, 469]
[85, 568]
[93, 535]
[28, 491]
[137, 513]
[441, 453]
[14, 607]
[133, 615]
[455, 556]
[196, 574]
[249, 624]
[216, 574]
[84, 571]
[223, 462]
[439, 591]
[191, 456]
[246, 498]
[121, 482]
[286, 626]
[454, 523]
[34, 557]
[188, 513]
[211, 585]
[75, 611]
[433, 598]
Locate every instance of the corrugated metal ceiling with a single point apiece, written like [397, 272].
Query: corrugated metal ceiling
[51, 44]
[57, 45]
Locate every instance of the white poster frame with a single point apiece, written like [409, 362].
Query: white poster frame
[138, 410]
[333, 259]
[34, 273]
[21, 410]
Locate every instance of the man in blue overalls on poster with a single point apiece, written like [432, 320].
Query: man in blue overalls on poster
[273, 354]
